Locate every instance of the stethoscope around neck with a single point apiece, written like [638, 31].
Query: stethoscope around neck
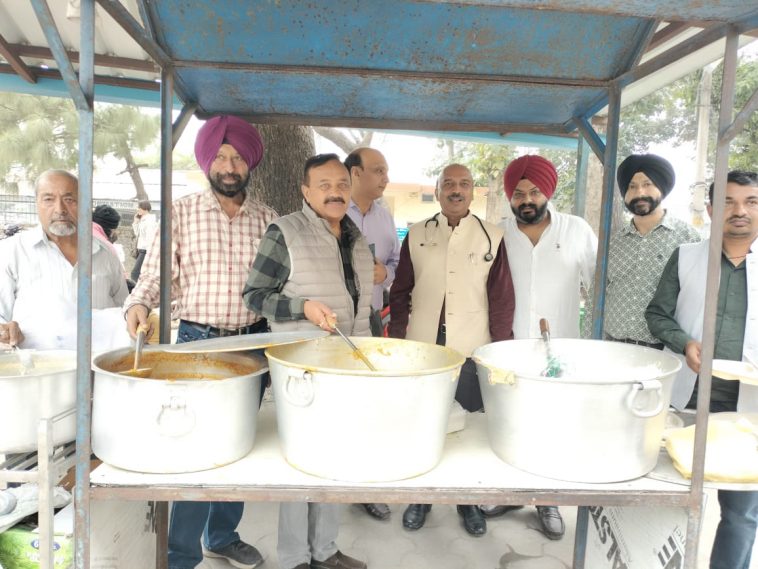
[428, 243]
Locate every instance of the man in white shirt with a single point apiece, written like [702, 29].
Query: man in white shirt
[144, 227]
[38, 279]
[552, 256]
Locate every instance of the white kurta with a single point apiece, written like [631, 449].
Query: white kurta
[38, 288]
[547, 276]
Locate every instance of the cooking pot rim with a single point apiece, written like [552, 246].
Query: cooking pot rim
[664, 376]
[479, 359]
[366, 372]
[459, 359]
[222, 356]
[45, 354]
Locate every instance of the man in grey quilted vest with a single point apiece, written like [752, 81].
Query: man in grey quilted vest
[314, 268]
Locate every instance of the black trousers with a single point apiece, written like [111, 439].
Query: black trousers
[141, 253]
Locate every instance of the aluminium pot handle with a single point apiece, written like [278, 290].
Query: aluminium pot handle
[174, 419]
[652, 385]
[299, 390]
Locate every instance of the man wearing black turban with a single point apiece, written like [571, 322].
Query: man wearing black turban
[650, 178]
[638, 251]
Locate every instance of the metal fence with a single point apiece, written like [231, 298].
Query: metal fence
[22, 210]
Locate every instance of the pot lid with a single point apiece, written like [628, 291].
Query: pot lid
[246, 342]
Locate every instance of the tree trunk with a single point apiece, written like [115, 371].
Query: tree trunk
[498, 207]
[277, 179]
[133, 169]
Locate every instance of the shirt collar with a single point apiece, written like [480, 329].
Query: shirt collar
[667, 222]
[36, 237]
[354, 206]
[210, 201]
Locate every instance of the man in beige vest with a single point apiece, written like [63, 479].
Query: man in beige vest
[453, 287]
[314, 269]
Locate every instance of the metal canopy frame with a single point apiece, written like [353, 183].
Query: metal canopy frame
[81, 90]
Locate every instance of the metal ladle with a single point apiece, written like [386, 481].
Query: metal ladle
[553, 368]
[25, 359]
[137, 371]
[356, 350]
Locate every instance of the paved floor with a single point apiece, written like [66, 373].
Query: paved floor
[512, 541]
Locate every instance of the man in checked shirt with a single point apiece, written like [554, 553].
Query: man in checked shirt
[215, 235]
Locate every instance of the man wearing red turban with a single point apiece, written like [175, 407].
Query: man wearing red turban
[215, 235]
[552, 257]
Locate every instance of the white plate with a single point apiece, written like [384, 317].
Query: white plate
[730, 369]
[664, 470]
[246, 342]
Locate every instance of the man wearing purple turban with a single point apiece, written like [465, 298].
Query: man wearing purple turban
[215, 236]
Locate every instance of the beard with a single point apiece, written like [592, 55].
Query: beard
[533, 217]
[62, 228]
[643, 206]
[228, 189]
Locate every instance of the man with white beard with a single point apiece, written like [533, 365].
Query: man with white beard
[38, 278]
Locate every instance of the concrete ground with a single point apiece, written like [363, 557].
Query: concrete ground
[512, 541]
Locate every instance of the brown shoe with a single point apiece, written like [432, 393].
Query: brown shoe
[338, 561]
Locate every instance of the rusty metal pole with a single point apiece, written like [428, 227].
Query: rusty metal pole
[711, 295]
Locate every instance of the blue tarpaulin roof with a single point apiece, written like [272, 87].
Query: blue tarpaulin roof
[528, 66]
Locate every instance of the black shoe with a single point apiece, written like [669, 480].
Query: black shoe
[414, 516]
[338, 561]
[495, 511]
[378, 511]
[551, 521]
[238, 553]
[473, 520]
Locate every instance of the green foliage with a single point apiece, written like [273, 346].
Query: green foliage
[120, 130]
[487, 163]
[565, 163]
[38, 133]
[667, 115]
[743, 152]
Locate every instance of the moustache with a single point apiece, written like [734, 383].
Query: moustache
[455, 196]
[334, 200]
[648, 200]
[738, 218]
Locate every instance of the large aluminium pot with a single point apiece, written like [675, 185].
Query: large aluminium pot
[338, 420]
[601, 421]
[26, 396]
[194, 412]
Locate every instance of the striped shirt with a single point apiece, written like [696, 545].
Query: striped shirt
[212, 256]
